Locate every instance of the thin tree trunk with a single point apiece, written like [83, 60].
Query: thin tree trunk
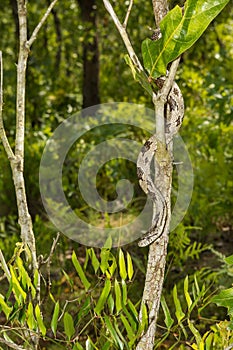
[157, 250]
[90, 87]
[16, 158]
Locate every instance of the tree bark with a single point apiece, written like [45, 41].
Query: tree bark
[90, 88]
[158, 250]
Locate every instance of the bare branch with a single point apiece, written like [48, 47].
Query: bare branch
[40, 24]
[3, 136]
[128, 14]
[160, 100]
[4, 266]
[123, 34]
[170, 78]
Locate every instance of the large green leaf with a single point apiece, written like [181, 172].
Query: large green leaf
[179, 32]
[225, 298]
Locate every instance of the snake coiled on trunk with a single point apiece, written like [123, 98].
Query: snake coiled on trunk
[174, 113]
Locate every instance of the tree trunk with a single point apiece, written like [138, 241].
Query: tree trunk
[157, 250]
[90, 87]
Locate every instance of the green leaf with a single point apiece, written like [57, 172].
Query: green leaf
[179, 32]
[225, 299]
[68, 325]
[186, 292]
[111, 304]
[5, 308]
[133, 310]
[104, 255]
[118, 296]
[108, 243]
[55, 318]
[112, 267]
[122, 266]
[16, 288]
[179, 313]
[129, 330]
[144, 320]
[77, 346]
[86, 307]
[90, 345]
[140, 77]
[94, 260]
[229, 260]
[124, 292]
[112, 331]
[31, 322]
[195, 332]
[131, 319]
[129, 266]
[107, 345]
[40, 320]
[80, 272]
[36, 278]
[103, 297]
[168, 319]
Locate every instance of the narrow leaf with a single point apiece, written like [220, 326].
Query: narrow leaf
[111, 304]
[40, 320]
[68, 325]
[129, 330]
[179, 313]
[17, 289]
[124, 292]
[186, 292]
[112, 331]
[55, 318]
[103, 297]
[195, 332]
[5, 308]
[168, 319]
[129, 266]
[80, 271]
[229, 260]
[123, 272]
[118, 296]
[94, 260]
[31, 322]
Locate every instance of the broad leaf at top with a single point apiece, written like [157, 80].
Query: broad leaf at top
[179, 32]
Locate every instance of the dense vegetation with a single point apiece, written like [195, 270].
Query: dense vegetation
[91, 296]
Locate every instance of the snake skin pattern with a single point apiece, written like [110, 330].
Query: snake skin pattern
[174, 114]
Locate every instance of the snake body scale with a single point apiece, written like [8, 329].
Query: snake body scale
[174, 113]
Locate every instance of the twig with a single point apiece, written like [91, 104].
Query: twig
[11, 345]
[160, 99]
[3, 136]
[40, 24]
[48, 262]
[124, 35]
[128, 14]
[4, 266]
[170, 78]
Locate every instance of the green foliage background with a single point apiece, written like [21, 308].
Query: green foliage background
[198, 245]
